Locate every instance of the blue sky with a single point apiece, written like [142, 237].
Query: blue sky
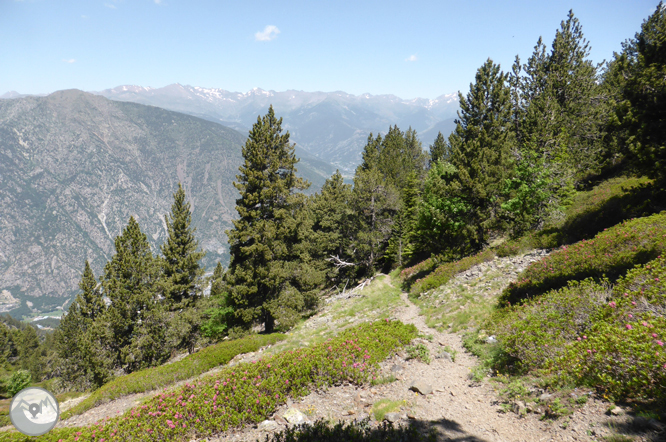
[409, 49]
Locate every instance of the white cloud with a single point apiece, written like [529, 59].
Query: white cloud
[158, 2]
[269, 33]
[412, 58]
[109, 5]
[70, 61]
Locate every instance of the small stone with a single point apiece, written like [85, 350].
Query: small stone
[545, 397]
[491, 340]
[421, 387]
[445, 355]
[294, 416]
[280, 420]
[349, 412]
[392, 417]
[640, 422]
[362, 416]
[617, 411]
[396, 369]
[267, 425]
[519, 408]
[411, 416]
[452, 393]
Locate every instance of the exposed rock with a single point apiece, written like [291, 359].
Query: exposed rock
[655, 425]
[421, 387]
[397, 369]
[519, 408]
[392, 417]
[267, 425]
[444, 355]
[545, 397]
[617, 411]
[294, 416]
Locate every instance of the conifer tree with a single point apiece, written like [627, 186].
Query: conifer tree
[130, 281]
[334, 226]
[219, 313]
[640, 73]
[89, 301]
[439, 150]
[181, 272]
[263, 276]
[481, 150]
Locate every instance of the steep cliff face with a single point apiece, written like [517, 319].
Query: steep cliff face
[74, 167]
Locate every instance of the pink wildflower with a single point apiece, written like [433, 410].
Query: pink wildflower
[629, 327]
[612, 304]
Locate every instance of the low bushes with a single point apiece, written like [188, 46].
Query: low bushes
[444, 272]
[248, 392]
[609, 254]
[158, 377]
[590, 334]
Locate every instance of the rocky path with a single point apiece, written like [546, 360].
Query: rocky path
[459, 408]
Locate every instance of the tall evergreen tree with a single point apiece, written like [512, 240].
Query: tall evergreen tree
[181, 272]
[439, 150]
[481, 150]
[89, 301]
[640, 74]
[334, 226]
[130, 281]
[263, 276]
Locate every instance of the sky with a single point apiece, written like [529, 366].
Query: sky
[409, 49]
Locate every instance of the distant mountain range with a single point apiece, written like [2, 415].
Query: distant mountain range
[330, 126]
[75, 166]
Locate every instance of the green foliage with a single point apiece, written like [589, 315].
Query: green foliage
[419, 352]
[439, 150]
[271, 278]
[168, 374]
[481, 151]
[539, 331]
[18, 380]
[446, 271]
[219, 315]
[181, 272]
[249, 392]
[440, 216]
[639, 74]
[611, 253]
[623, 353]
[351, 432]
[383, 406]
[130, 282]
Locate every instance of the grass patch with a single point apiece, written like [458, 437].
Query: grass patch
[609, 254]
[444, 272]
[419, 352]
[164, 375]
[248, 393]
[383, 406]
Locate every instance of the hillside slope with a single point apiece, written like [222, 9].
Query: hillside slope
[75, 166]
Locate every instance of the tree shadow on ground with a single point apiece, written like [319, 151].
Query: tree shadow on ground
[637, 427]
[363, 431]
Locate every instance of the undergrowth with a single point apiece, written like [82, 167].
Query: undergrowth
[164, 375]
[248, 392]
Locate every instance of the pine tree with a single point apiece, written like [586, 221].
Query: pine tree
[334, 226]
[263, 276]
[481, 150]
[375, 203]
[641, 77]
[181, 272]
[130, 282]
[439, 150]
[218, 312]
[89, 301]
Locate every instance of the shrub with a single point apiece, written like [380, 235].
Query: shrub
[444, 272]
[248, 392]
[419, 352]
[18, 380]
[624, 354]
[158, 377]
[320, 431]
[538, 331]
[611, 253]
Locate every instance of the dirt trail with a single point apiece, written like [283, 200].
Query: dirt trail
[459, 408]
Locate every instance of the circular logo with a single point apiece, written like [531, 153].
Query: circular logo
[34, 411]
